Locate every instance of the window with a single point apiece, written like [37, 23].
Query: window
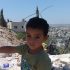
[15, 27]
[22, 27]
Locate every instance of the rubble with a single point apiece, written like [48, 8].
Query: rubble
[8, 37]
[60, 62]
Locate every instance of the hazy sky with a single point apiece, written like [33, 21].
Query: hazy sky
[16, 10]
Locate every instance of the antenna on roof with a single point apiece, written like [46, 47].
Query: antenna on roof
[37, 12]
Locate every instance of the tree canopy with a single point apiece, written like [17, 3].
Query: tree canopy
[2, 20]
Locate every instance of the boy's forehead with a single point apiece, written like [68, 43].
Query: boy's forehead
[34, 31]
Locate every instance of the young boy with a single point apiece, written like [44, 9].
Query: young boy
[33, 55]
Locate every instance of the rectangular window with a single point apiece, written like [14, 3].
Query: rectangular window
[15, 27]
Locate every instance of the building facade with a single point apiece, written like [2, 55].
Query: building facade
[17, 26]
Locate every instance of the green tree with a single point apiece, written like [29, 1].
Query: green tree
[2, 20]
[21, 35]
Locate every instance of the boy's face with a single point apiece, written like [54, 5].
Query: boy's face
[35, 38]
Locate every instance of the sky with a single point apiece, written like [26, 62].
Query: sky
[54, 11]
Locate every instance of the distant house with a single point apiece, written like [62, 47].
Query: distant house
[17, 26]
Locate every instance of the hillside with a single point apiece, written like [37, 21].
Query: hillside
[8, 37]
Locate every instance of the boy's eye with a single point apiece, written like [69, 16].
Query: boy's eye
[29, 36]
[37, 37]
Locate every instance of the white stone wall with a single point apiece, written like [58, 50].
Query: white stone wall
[17, 26]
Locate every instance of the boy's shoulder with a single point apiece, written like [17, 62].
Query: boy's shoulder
[44, 56]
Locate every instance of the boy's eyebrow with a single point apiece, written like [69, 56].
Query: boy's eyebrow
[35, 34]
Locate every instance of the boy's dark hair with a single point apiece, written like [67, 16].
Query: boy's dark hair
[38, 23]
